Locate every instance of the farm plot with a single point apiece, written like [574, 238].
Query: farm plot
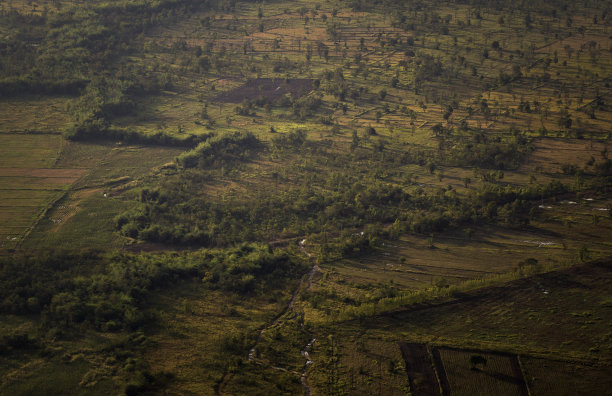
[28, 151]
[28, 183]
[551, 377]
[369, 367]
[48, 115]
[170, 113]
[565, 155]
[84, 217]
[497, 374]
[269, 88]
[415, 261]
[564, 312]
[585, 223]
[420, 369]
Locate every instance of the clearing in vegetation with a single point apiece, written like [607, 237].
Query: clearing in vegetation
[268, 90]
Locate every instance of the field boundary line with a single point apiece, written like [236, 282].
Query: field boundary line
[438, 366]
[40, 216]
[520, 365]
[29, 132]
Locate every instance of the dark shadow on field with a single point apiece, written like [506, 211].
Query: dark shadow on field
[270, 89]
[516, 378]
[502, 377]
[420, 370]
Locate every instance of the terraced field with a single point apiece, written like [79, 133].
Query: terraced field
[29, 182]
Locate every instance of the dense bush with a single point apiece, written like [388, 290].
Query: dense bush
[220, 149]
[289, 141]
[176, 215]
[306, 106]
[100, 129]
[108, 292]
[73, 48]
[20, 85]
[489, 155]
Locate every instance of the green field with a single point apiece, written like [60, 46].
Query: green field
[28, 182]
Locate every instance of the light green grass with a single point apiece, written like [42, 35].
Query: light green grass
[92, 226]
[29, 151]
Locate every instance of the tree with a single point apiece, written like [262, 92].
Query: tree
[308, 52]
[583, 253]
[469, 233]
[437, 129]
[565, 120]
[355, 141]
[477, 360]
[448, 112]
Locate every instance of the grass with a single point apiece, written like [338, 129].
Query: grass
[563, 314]
[89, 224]
[496, 377]
[29, 151]
[28, 184]
[47, 114]
[365, 366]
[560, 313]
[201, 362]
[571, 377]
[56, 378]
[83, 217]
[557, 322]
[416, 264]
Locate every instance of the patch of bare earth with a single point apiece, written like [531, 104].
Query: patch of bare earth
[271, 89]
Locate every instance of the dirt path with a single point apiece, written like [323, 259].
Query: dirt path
[290, 307]
[304, 351]
[309, 362]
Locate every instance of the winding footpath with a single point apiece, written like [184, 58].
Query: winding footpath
[290, 307]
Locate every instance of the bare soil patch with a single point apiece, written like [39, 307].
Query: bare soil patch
[271, 89]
